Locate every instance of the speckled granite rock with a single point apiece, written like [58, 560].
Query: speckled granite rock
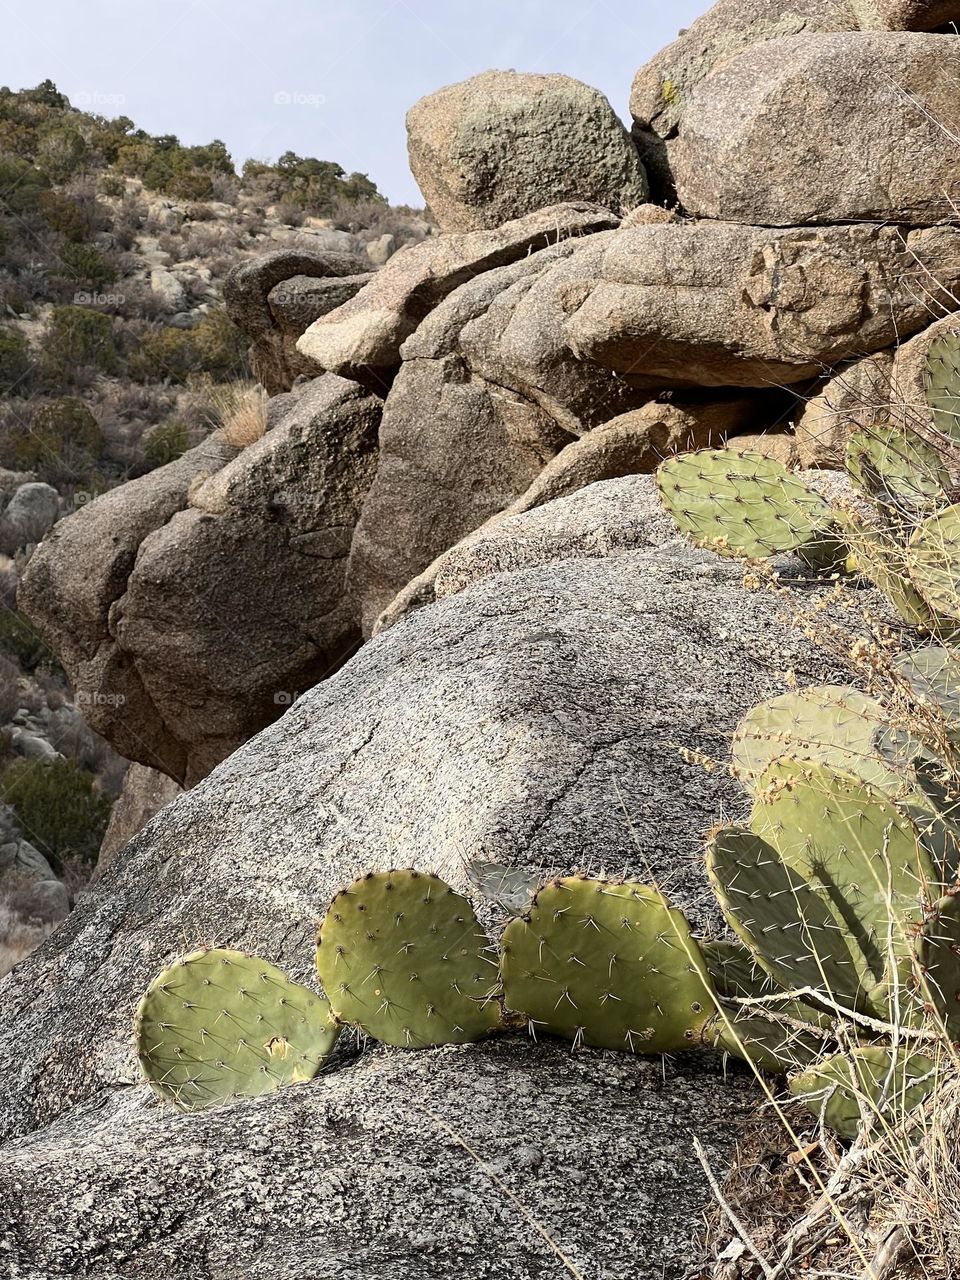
[535, 718]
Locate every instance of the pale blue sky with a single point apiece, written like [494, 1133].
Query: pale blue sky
[330, 78]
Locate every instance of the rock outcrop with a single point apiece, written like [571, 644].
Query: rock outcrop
[274, 298]
[502, 145]
[32, 511]
[362, 339]
[536, 718]
[507, 350]
[219, 551]
[663, 88]
[145, 792]
[632, 444]
[889, 155]
[720, 304]
[76, 577]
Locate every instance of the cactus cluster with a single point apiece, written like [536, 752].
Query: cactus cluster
[904, 535]
[845, 951]
[843, 964]
[840, 890]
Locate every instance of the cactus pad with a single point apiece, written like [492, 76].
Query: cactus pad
[403, 957]
[611, 965]
[743, 504]
[829, 723]
[219, 1025]
[875, 1083]
[933, 562]
[897, 467]
[942, 380]
[781, 917]
[863, 858]
[770, 1044]
[933, 674]
[877, 555]
[768, 1035]
[938, 954]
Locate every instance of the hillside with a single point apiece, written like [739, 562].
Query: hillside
[116, 356]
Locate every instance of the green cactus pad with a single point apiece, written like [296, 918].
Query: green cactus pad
[898, 468]
[933, 674]
[942, 380]
[882, 1085]
[936, 814]
[938, 953]
[771, 1045]
[219, 1025]
[609, 965]
[781, 917]
[766, 1035]
[832, 724]
[864, 859]
[402, 956]
[743, 504]
[736, 975]
[877, 555]
[933, 562]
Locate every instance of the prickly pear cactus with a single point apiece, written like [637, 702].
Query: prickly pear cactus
[832, 724]
[781, 917]
[942, 378]
[933, 562]
[880, 557]
[775, 1034]
[897, 468]
[874, 1084]
[607, 964]
[865, 861]
[402, 956]
[743, 504]
[933, 675]
[219, 1025]
[938, 954]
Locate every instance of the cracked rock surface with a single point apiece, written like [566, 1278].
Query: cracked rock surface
[535, 718]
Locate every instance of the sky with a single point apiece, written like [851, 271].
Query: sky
[325, 78]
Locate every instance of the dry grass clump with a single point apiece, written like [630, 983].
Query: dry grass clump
[240, 410]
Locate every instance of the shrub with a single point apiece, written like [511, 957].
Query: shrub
[56, 804]
[77, 336]
[215, 346]
[112, 184]
[9, 690]
[62, 444]
[20, 639]
[221, 346]
[190, 186]
[163, 354]
[166, 443]
[86, 266]
[21, 184]
[61, 151]
[71, 218]
[14, 361]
